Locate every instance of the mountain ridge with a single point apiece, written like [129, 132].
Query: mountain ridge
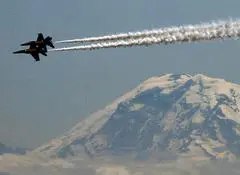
[6, 149]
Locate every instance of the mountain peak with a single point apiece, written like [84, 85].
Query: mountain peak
[193, 115]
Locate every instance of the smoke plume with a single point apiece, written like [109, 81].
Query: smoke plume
[172, 35]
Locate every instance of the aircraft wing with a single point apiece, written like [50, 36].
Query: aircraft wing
[40, 37]
[35, 56]
[27, 43]
[19, 51]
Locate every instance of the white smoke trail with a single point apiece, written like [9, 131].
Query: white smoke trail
[182, 34]
[145, 33]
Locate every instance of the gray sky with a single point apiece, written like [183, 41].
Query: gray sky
[40, 101]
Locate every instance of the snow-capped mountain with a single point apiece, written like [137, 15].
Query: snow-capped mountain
[188, 115]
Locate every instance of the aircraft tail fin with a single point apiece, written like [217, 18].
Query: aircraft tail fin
[43, 53]
[48, 41]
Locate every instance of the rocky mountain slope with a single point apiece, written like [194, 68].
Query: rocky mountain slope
[188, 115]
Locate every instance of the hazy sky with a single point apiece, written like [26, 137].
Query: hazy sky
[40, 101]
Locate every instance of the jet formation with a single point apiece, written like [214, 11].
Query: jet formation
[37, 47]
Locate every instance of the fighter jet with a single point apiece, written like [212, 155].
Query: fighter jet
[33, 50]
[41, 42]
